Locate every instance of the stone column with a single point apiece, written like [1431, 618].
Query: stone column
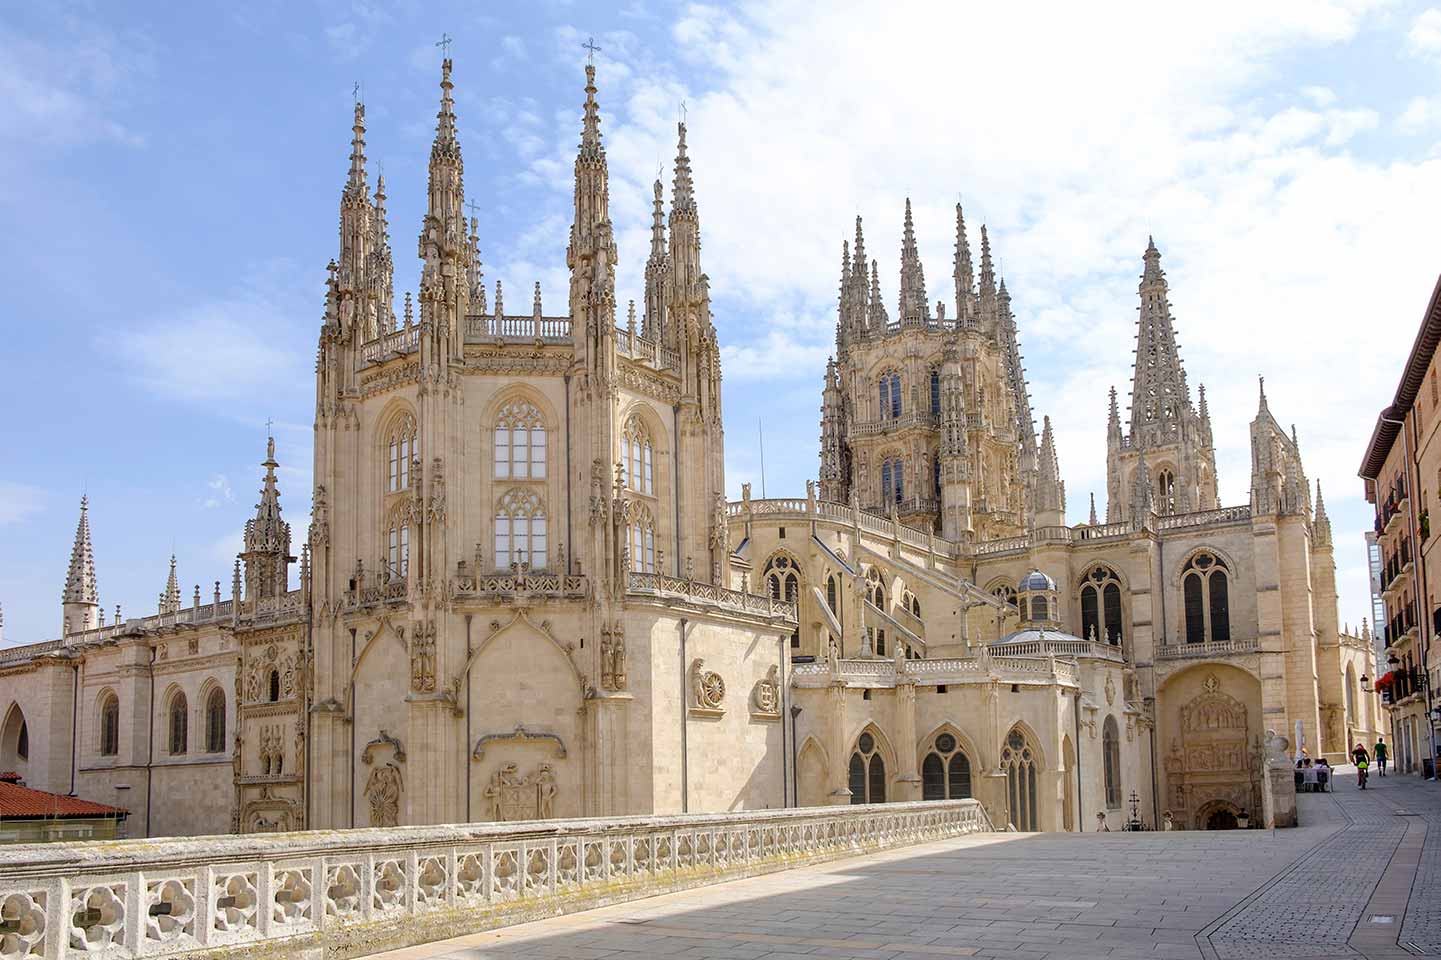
[608, 763]
[908, 782]
[836, 697]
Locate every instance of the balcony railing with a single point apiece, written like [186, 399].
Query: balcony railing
[1207, 649]
[343, 893]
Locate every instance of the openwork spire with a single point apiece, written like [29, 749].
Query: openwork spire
[1050, 503]
[80, 580]
[446, 145]
[657, 222]
[382, 272]
[590, 145]
[1159, 397]
[876, 318]
[355, 185]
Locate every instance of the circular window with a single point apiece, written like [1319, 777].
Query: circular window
[867, 743]
[1203, 561]
[945, 743]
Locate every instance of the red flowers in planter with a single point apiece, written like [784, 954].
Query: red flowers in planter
[1385, 680]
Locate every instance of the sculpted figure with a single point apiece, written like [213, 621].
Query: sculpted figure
[546, 790]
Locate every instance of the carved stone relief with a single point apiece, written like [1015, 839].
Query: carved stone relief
[708, 690]
[612, 657]
[513, 797]
[384, 785]
[422, 657]
[766, 697]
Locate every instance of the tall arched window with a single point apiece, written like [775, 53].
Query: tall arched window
[831, 593]
[402, 449]
[274, 685]
[641, 539]
[215, 721]
[935, 393]
[892, 486]
[890, 395]
[1207, 599]
[1040, 609]
[1165, 492]
[14, 740]
[110, 726]
[783, 582]
[936, 474]
[867, 772]
[1019, 762]
[946, 771]
[875, 588]
[519, 442]
[520, 530]
[637, 453]
[1111, 757]
[1101, 615]
[179, 724]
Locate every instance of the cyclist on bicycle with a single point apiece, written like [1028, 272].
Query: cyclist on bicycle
[1362, 760]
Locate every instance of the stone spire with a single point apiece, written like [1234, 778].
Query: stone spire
[80, 600]
[1093, 521]
[986, 300]
[861, 286]
[963, 274]
[1159, 397]
[1321, 525]
[442, 244]
[474, 269]
[1009, 337]
[267, 538]
[1115, 442]
[1205, 415]
[684, 221]
[845, 314]
[656, 266]
[357, 236]
[591, 253]
[914, 306]
[1142, 500]
[170, 599]
[1050, 498]
[833, 486]
[876, 319]
[382, 272]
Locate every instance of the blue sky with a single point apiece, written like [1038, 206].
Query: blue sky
[170, 177]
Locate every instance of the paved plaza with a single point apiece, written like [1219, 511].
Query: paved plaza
[1360, 878]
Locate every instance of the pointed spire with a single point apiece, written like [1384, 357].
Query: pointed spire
[876, 320]
[1263, 408]
[590, 145]
[383, 275]
[1050, 500]
[1205, 410]
[445, 144]
[442, 233]
[170, 599]
[1160, 399]
[1142, 502]
[535, 303]
[1321, 523]
[356, 184]
[475, 272]
[988, 271]
[1093, 520]
[962, 271]
[859, 250]
[683, 196]
[1113, 420]
[914, 304]
[80, 580]
[267, 537]
[499, 301]
[657, 223]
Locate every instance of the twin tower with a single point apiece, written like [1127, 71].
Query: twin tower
[927, 418]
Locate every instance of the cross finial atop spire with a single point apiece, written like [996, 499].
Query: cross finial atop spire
[591, 49]
[444, 44]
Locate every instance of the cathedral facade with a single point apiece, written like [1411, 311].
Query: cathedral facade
[523, 595]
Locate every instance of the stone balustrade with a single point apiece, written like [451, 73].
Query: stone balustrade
[880, 672]
[1091, 649]
[695, 591]
[346, 893]
[522, 328]
[1207, 650]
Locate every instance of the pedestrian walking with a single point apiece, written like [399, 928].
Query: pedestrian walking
[1379, 752]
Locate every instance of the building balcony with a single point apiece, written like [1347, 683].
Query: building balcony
[1210, 649]
[921, 419]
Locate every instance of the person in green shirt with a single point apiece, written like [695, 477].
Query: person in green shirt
[1380, 754]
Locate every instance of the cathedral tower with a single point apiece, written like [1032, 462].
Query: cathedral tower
[267, 556]
[1169, 443]
[80, 601]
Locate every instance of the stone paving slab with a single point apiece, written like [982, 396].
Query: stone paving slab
[1307, 892]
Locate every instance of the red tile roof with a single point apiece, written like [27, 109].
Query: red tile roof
[22, 803]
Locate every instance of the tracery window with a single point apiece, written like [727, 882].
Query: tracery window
[641, 539]
[890, 395]
[519, 442]
[783, 582]
[946, 771]
[397, 549]
[1111, 752]
[110, 726]
[637, 453]
[867, 773]
[1166, 492]
[1019, 762]
[892, 486]
[875, 588]
[215, 721]
[402, 448]
[1005, 593]
[179, 725]
[1101, 614]
[831, 593]
[1206, 599]
[520, 530]
[935, 393]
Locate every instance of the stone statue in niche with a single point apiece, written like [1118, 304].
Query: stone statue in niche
[382, 792]
[612, 658]
[422, 657]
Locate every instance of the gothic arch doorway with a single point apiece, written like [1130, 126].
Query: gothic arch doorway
[1217, 816]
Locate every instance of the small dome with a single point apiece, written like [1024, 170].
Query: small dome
[1035, 580]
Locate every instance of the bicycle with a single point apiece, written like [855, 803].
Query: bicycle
[1361, 774]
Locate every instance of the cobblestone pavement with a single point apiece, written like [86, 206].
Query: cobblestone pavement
[1308, 892]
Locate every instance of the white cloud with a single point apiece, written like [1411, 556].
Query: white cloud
[776, 357]
[19, 501]
[217, 492]
[1424, 37]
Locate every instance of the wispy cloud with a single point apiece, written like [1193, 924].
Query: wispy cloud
[217, 492]
[19, 501]
[1424, 37]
